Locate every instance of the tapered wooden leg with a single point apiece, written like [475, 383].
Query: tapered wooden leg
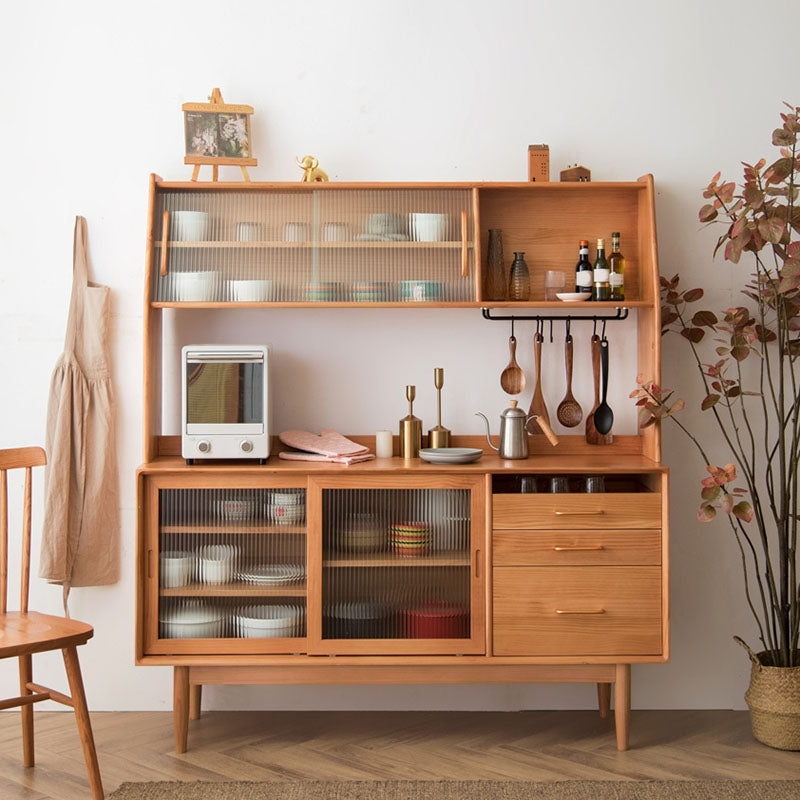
[622, 704]
[180, 708]
[604, 698]
[195, 700]
[73, 668]
[26, 677]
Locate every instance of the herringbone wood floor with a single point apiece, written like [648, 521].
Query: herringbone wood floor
[264, 746]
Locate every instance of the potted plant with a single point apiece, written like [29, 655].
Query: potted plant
[748, 360]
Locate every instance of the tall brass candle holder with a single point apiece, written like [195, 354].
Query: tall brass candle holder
[410, 428]
[438, 436]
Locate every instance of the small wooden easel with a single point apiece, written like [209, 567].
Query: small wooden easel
[217, 106]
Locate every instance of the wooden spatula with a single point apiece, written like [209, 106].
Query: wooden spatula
[538, 406]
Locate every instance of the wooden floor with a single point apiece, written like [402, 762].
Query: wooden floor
[282, 746]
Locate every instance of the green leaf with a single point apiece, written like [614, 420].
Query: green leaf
[765, 334]
[706, 513]
[743, 511]
[733, 250]
[693, 334]
[692, 295]
[708, 213]
[771, 228]
[708, 401]
[740, 352]
[782, 138]
[754, 197]
[706, 319]
[711, 492]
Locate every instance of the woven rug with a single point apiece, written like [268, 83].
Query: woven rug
[463, 790]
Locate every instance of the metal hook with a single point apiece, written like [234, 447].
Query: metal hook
[594, 327]
[512, 326]
[568, 328]
[551, 331]
[603, 333]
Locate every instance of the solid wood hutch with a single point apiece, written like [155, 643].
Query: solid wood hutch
[507, 586]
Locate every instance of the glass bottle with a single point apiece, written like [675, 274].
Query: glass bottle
[519, 281]
[602, 288]
[583, 270]
[495, 288]
[616, 265]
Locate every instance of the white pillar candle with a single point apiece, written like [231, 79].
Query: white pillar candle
[383, 444]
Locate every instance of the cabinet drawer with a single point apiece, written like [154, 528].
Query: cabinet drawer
[575, 547]
[570, 611]
[573, 511]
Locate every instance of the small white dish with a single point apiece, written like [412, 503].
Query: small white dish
[573, 297]
[253, 291]
[249, 231]
[188, 226]
[428, 227]
[450, 455]
[176, 567]
[195, 286]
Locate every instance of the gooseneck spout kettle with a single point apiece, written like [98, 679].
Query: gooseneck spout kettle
[513, 436]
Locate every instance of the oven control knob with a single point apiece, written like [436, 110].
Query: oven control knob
[246, 446]
[204, 446]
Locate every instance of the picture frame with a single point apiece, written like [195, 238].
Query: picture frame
[218, 133]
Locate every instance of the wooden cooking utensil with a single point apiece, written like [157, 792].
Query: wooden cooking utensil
[512, 379]
[593, 436]
[569, 410]
[538, 406]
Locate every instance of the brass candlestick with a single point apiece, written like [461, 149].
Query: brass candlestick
[410, 428]
[438, 436]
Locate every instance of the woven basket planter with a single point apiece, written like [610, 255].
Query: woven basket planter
[774, 702]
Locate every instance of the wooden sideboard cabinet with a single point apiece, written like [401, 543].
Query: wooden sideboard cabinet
[395, 571]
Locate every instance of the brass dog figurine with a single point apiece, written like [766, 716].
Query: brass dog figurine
[311, 171]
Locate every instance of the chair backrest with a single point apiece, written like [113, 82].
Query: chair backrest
[17, 458]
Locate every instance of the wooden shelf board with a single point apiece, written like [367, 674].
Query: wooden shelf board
[536, 304]
[235, 590]
[443, 560]
[232, 528]
[280, 245]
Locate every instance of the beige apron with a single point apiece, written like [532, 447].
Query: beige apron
[80, 534]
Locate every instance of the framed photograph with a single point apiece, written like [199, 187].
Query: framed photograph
[218, 133]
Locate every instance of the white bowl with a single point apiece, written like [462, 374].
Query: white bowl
[286, 498]
[286, 515]
[216, 563]
[188, 226]
[236, 509]
[428, 227]
[195, 286]
[192, 620]
[269, 622]
[573, 297]
[176, 567]
[252, 291]
[249, 231]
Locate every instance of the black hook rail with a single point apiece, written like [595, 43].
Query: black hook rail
[621, 313]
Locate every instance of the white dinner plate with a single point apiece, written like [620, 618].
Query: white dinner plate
[450, 455]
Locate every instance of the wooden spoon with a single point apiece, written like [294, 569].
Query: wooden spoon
[569, 411]
[512, 379]
[593, 436]
[538, 406]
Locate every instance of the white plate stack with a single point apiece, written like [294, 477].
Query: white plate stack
[269, 621]
[272, 574]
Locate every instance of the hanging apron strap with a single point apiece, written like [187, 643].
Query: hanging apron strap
[80, 279]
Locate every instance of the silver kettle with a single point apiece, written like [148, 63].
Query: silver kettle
[513, 436]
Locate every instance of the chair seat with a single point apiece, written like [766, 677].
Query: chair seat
[31, 632]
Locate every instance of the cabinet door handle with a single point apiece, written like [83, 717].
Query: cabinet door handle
[464, 254]
[149, 564]
[164, 240]
[579, 513]
[477, 563]
[580, 611]
[574, 548]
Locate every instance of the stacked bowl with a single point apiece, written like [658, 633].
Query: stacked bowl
[286, 508]
[410, 538]
[269, 621]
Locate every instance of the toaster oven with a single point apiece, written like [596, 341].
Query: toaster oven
[225, 403]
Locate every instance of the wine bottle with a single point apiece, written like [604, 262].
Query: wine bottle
[583, 270]
[616, 265]
[602, 288]
[519, 282]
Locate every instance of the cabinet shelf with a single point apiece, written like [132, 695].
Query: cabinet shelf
[348, 245]
[233, 528]
[235, 590]
[444, 560]
[588, 307]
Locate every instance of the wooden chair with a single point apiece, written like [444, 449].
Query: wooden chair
[23, 632]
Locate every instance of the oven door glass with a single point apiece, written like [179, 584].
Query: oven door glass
[224, 393]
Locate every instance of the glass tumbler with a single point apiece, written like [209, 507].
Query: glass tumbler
[559, 484]
[527, 484]
[594, 484]
[554, 282]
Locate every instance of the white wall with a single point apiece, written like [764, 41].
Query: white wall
[378, 91]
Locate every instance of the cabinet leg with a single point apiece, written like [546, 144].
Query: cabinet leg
[622, 704]
[26, 677]
[180, 708]
[195, 700]
[604, 698]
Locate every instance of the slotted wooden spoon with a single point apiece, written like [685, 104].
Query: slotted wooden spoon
[538, 406]
[569, 411]
[512, 378]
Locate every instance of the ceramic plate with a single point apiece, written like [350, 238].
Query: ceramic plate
[573, 297]
[450, 455]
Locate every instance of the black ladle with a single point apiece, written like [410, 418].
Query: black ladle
[603, 415]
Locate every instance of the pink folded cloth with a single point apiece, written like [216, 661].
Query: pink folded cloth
[328, 446]
[326, 443]
[298, 456]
